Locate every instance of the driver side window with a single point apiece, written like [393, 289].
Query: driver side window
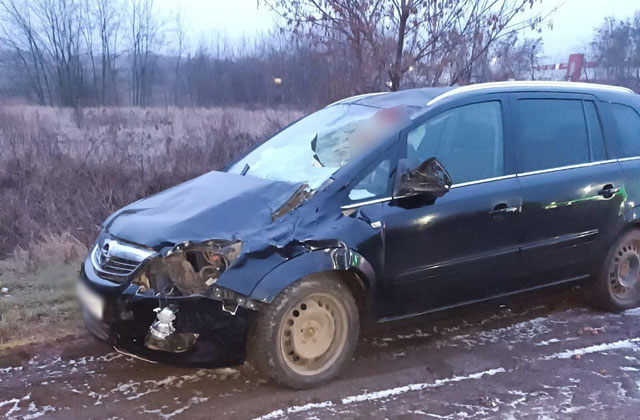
[467, 140]
[375, 184]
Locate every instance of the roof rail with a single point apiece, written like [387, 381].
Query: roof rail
[527, 84]
[353, 98]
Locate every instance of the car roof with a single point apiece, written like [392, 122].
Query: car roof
[420, 98]
[534, 86]
[413, 99]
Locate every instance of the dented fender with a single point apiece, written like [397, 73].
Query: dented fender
[316, 261]
[632, 216]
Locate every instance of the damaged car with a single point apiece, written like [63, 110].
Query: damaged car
[375, 208]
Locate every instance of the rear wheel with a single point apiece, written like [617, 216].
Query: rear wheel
[617, 287]
[307, 334]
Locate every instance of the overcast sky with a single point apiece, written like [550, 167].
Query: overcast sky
[573, 23]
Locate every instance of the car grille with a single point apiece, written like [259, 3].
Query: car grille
[115, 261]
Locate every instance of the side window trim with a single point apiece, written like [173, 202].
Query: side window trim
[564, 168]
[589, 134]
[628, 158]
[598, 121]
[454, 186]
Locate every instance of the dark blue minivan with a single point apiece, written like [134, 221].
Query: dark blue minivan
[375, 208]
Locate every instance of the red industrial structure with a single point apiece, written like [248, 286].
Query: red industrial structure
[574, 70]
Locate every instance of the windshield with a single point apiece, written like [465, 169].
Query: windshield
[312, 149]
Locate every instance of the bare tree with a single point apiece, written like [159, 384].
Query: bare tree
[21, 35]
[512, 59]
[396, 35]
[108, 15]
[108, 52]
[616, 49]
[146, 39]
[62, 29]
[88, 32]
[180, 34]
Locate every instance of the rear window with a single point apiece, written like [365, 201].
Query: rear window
[627, 122]
[552, 133]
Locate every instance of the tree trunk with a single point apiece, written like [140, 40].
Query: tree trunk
[396, 72]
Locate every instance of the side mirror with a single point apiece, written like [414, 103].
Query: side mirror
[430, 179]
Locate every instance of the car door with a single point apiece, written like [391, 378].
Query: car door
[464, 245]
[572, 193]
[624, 126]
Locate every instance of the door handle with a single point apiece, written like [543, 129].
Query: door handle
[608, 191]
[503, 209]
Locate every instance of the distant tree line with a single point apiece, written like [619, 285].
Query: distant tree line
[132, 53]
[616, 50]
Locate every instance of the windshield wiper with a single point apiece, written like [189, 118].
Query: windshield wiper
[314, 145]
[245, 169]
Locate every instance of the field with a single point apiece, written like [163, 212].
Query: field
[63, 171]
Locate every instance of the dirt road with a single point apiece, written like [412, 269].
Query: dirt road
[530, 359]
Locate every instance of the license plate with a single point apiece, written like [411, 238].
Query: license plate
[93, 303]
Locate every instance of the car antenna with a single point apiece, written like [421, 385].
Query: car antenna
[245, 169]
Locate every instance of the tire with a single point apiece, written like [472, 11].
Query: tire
[617, 286]
[307, 335]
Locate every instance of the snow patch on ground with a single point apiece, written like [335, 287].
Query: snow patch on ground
[621, 344]
[554, 340]
[517, 333]
[14, 404]
[306, 407]
[368, 396]
[632, 312]
[387, 393]
[34, 412]
[61, 364]
[276, 414]
[7, 370]
[134, 390]
[166, 416]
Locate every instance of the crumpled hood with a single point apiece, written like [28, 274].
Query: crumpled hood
[216, 205]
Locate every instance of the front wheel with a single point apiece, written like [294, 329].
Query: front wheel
[617, 287]
[308, 333]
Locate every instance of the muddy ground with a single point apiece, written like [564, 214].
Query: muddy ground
[545, 356]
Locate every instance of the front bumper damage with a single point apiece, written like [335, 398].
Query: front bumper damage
[206, 331]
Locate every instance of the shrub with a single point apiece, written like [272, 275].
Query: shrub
[63, 171]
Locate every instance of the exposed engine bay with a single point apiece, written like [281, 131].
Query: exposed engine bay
[187, 270]
[192, 269]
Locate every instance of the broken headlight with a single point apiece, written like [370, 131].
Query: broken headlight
[191, 267]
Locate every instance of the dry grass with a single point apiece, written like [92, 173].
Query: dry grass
[39, 306]
[40, 303]
[63, 171]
